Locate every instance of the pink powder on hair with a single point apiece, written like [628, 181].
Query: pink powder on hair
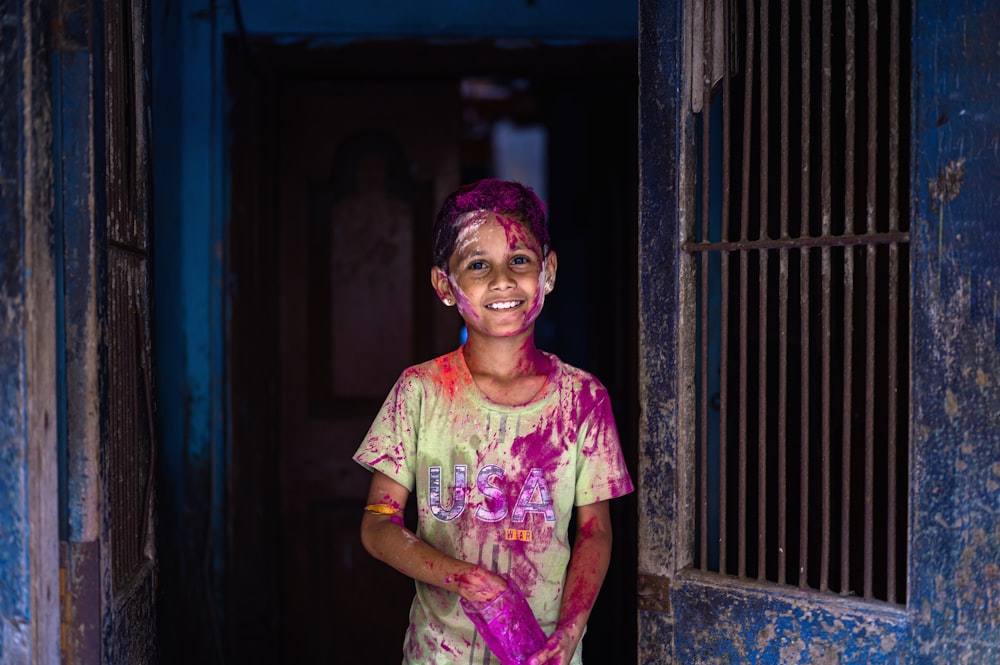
[518, 233]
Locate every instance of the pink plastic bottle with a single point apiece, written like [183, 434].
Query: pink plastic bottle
[507, 625]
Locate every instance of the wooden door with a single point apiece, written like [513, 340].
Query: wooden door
[362, 168]
[110, 565]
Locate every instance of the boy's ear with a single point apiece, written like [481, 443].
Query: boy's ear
[550, 272]
[442, 287]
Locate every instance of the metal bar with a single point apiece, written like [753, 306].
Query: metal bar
[890, 238]
[747, 120]
[762, 419]
[850, 109]
[703, 453]
[869, 533]
[846, 419]
[723, 410]
[742, 460]
[724, 265]
[782, 507]
[826, 213]
[804, 377]
[706, 170]
[762, 233]
[891, 433]
[726, 132]
[869, 425]
[850, 113]
[744, 259]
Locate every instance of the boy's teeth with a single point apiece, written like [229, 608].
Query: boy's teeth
[502, 305]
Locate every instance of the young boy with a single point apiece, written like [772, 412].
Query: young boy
[500, 441]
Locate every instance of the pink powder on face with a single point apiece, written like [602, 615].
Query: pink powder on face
[517, 235]
[469, 223]
[465, 307]
[539, 299]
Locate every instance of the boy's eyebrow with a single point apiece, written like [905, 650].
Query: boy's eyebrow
[477, 251]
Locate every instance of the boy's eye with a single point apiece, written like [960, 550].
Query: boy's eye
[477, 265]
[519, 260]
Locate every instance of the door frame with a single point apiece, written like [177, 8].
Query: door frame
[253, 328]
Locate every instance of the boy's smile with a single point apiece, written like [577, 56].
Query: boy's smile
[497, 276]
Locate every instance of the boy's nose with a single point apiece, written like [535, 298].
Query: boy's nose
[502, 278]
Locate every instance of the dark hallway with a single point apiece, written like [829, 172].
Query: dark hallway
[345, 148]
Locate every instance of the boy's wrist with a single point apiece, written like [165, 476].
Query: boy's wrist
[571, 629]
[478, 585]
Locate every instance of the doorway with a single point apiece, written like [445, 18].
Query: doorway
[340, 159]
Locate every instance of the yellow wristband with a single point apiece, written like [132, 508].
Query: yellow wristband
[381, 508]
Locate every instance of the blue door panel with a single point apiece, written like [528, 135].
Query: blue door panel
[720, 622]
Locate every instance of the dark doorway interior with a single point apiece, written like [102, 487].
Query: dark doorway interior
[317, 133]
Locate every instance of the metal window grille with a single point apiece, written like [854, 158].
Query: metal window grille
[799, 247]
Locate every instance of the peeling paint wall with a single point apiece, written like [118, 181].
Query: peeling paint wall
[29, 544]
[14, 601]
[663, 151]
[749, 623]
[53, 508]
[955, 432]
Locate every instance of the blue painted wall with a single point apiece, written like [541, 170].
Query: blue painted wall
[954, 596]
[15, 611]
[554, 20]
[29, 545]
[662, 141]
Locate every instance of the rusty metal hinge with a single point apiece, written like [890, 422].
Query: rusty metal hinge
[654, 594]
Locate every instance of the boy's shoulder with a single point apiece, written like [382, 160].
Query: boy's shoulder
[448, 363]
[447, 371]
[574, 377]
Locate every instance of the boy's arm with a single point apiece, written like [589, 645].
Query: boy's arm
[587, 568]
[387, 539]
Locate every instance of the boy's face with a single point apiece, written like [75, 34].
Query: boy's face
[497, 276]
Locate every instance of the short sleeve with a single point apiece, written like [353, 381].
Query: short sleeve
[601, 473]
[391, 443]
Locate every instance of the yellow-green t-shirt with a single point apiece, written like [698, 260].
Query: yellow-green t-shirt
[494, 485]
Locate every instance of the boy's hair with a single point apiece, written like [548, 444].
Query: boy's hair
[488, 195]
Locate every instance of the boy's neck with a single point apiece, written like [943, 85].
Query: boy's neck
[509, 370]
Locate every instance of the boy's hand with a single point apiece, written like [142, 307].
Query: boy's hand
[478, 585]
[558, 650]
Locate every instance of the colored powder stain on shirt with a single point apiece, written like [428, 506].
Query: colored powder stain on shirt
[449, 377]
[538, 450]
